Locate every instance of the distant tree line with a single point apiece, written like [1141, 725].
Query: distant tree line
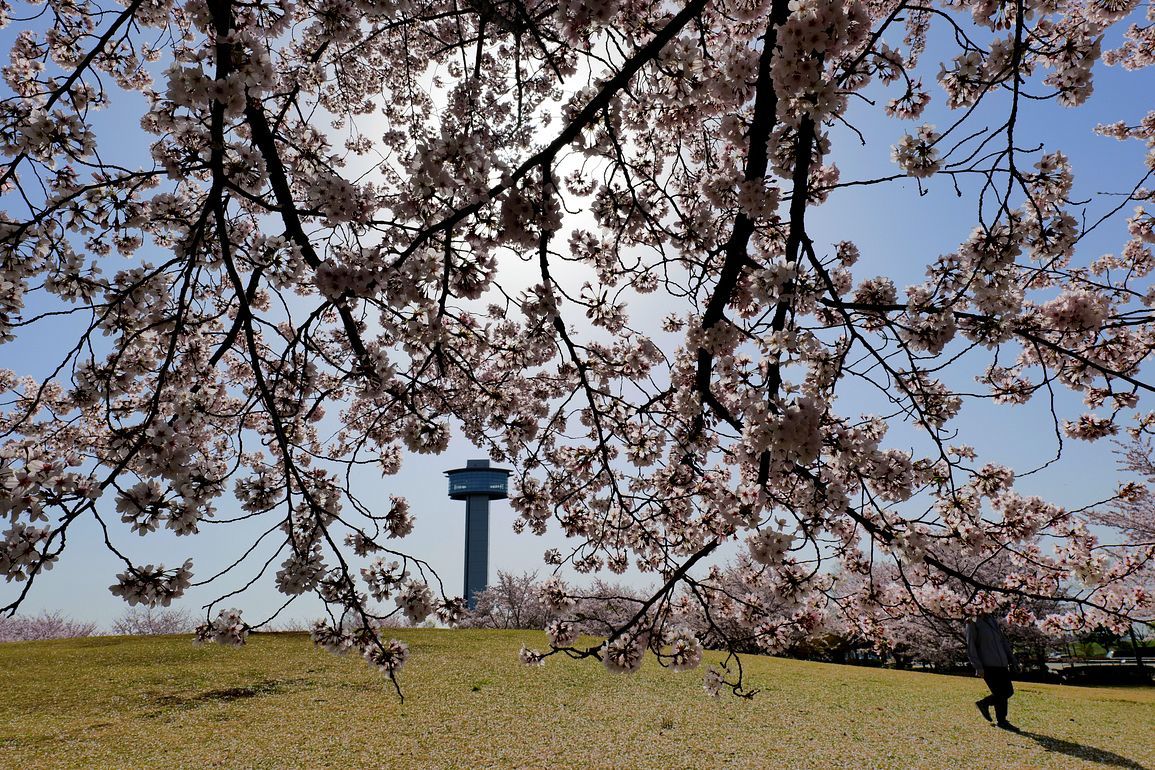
[515, 602]
[902, 641]
[137, 621]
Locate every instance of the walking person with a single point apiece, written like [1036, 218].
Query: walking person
[990, 654]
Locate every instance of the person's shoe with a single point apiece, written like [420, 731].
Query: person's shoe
[1008, 726]
[984, 709]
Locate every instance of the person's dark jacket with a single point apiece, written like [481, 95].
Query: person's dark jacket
[987, 647]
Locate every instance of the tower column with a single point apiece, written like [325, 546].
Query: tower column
[476, 547]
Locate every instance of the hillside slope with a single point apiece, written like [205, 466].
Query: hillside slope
[280, 702]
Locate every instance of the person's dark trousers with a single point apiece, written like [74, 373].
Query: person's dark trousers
[999, 680]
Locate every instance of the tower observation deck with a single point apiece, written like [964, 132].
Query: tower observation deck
[477, 484]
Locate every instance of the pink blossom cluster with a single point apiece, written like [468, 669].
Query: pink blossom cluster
[383, 578]
[816, 30]
[1138, 49]
[683, 650]
[301, 571]
[388, 656]
[153, 585]
[625, 654]
[226, 628]
[415, 600]
[768, 546]
[916, 154]
[792, 434]
[24, 551]
[1075, 311]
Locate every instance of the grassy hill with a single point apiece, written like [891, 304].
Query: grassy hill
[280, 702]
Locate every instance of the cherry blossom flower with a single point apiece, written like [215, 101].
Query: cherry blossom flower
[226, 628]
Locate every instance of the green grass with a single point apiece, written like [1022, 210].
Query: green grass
[280, 702]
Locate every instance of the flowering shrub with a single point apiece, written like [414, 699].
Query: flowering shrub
[1133, 511]
[285, 290]
[148, 621]
[511, 602]
[46, 625]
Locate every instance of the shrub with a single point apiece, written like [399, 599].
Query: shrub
[151, 621]
[46, 625]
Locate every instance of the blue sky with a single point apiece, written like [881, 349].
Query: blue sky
[898, 231]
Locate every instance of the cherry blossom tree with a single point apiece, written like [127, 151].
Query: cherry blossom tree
[886, 621]
[511, 602]
[362, 226]
[1133, 511]
[45, 625]
[150, 621]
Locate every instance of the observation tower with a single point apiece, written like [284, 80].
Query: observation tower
[477, 484]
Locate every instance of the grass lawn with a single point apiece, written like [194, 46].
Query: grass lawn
[280, 702]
